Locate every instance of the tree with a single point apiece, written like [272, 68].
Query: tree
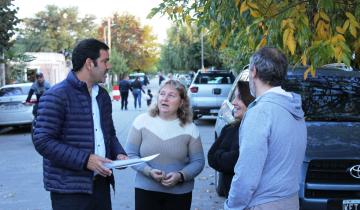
[56, 30]
[15, 62]
[7, 31]
[118, 63]
[135, 42]
[182, 50]
[311, 32]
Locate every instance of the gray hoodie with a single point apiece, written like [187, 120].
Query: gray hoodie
[273, 140]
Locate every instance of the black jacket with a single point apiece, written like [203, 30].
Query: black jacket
[224, 153]
[125, 86]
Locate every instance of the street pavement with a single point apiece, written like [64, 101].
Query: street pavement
[21, 186]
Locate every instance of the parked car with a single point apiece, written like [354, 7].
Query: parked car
[330, 176]
[341, 66]
[13, 110]
[133, 76]
[208, 90]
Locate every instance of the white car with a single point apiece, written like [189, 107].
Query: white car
[13, 110]
[208, 90]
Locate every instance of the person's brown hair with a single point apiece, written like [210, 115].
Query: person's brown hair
[184, 113]
[244, 92]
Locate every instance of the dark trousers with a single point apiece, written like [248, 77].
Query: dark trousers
[151, 200]
[124, 99]
[99, 200]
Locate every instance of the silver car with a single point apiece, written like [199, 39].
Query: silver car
[13, 110]
[208, 90]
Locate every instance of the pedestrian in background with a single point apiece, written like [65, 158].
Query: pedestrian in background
[146, 80]
[125, 86]
[38, 88]
[136, 90]
[161, 78]
[75, 133]
[224, 153]
[272, 140]
[149, 97]
[167, 181]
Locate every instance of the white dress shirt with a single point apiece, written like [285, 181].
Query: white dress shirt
[98, 134]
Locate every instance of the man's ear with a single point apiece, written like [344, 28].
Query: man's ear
[88, 63]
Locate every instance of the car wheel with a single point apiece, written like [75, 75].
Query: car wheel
[219, 184]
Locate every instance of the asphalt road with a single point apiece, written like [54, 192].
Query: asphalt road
[21, 186]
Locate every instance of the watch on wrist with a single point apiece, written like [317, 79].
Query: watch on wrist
[181, 177]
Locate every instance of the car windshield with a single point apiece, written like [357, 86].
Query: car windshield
[214, 78]
[330, 96]
[14, 91]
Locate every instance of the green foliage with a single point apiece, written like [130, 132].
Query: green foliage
[135, 42]
[7, 24]
[182, 50]
[55, 30]
[311, 32]
[118, 63]
[16, 62]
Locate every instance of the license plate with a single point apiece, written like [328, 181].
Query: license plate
[215, 111]
[351, 205]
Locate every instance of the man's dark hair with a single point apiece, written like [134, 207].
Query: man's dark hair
[87, 48]
[271, 65]
[39, 75]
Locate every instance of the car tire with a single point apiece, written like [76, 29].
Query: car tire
[219, 184]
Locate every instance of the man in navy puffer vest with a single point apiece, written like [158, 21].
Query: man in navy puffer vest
[75, 133]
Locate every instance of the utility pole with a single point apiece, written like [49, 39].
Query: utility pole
[2, 67]
[109, 32]
[202, 50]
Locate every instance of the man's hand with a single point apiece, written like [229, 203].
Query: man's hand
[95, 164]
[157, 174]
[122, 157]
[171, 179]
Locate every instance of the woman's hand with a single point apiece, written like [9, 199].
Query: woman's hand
[171, 179]
[122, 157]
[157, 174]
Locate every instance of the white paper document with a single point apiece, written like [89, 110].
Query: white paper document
[129, 162]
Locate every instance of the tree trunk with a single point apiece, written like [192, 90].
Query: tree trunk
[2, 68]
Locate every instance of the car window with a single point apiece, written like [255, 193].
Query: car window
[333, 95]
[328, 97]
[211, 78]
[14, 91]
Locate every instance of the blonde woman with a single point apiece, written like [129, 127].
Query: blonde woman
[167, 181]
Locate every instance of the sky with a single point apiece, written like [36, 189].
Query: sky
[102, 9]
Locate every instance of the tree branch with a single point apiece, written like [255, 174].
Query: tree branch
[285, 9]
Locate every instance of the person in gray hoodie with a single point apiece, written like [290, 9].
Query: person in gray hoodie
[272, 140]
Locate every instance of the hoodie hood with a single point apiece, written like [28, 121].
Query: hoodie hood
[291, 104]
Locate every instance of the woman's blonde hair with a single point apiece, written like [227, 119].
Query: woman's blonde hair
[184, 112]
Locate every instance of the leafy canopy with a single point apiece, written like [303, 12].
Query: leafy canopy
[311, 32]
[135, 42]
[7, 24]
[56, 30]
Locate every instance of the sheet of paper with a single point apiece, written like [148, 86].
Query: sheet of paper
[129, 162]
